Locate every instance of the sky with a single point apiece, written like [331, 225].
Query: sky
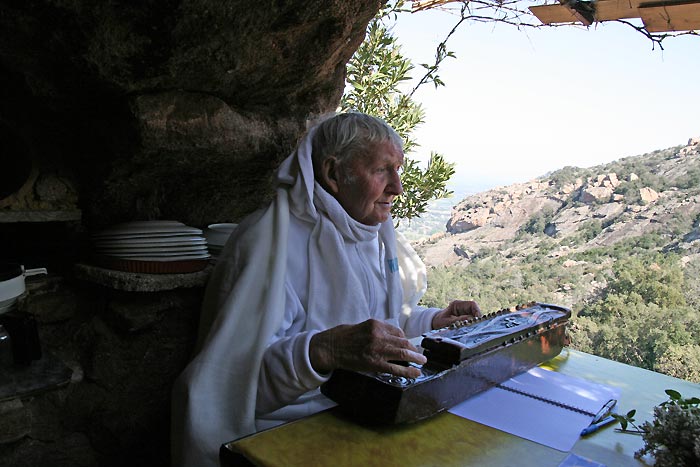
[520, 103]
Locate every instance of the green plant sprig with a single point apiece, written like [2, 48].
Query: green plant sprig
[627, 420]
[674, 398]
[673, 437]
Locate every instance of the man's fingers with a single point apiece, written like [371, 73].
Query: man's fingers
[394, 348]
[405, 371]
[464, 308]
[477, 311]
[411, 356]
[375, 346]
[392, 330]
[399, 369]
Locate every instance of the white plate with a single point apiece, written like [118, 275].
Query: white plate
[143, 235]
[150, 249]
[147, 228]
[156, 254]
[152, 241]
[122, 254]
[163, 258]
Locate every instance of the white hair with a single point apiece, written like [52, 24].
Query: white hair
[347, 135]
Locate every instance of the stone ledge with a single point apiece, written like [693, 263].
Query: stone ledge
[141, 282]
[39, 376]
[40, 216]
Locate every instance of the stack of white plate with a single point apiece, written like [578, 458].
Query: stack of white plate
[151, 246]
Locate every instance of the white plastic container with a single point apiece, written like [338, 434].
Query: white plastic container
[12, 284]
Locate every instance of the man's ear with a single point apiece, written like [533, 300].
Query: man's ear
[329, 175]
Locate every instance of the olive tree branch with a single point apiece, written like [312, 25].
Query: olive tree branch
[503, 11]
[500, 12]
[656, 38]
[440, 54]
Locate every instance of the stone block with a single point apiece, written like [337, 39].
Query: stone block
[15, 421]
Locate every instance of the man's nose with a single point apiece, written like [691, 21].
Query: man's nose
[395, 187]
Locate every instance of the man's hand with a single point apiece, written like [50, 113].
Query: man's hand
[369, 346]
[457, 310]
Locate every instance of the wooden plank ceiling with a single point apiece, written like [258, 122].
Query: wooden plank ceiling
[665, 16]
[657, 16]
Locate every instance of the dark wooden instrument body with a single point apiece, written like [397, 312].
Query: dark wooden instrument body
[463, 360]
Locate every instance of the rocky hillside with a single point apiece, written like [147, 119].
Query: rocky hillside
[619, 244]
[574, 210]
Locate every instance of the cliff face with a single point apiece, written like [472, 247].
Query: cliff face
[578, 209]
[177, 109]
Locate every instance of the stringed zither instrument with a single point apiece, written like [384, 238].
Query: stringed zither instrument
[463, 359]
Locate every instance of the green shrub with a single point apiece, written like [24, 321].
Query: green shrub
[538, 221]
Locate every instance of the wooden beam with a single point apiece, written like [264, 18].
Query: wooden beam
[583, 11]
[659, 17]
[553, 14]
[605, 10]
[608, 10]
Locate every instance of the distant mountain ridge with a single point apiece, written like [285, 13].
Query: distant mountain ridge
[433, 220]
[578, 209]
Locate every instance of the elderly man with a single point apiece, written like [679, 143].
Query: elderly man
[308, 285]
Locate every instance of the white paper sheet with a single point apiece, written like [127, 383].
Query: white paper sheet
[532, 419]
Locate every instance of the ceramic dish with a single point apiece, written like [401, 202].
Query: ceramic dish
[146, 236]
[12, 284]
[218, 234]
[147, 228]
[152, 267]
[153, 249]
[164, 257]
[152, 241]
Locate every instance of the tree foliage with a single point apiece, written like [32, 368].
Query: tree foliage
[645, 313]
[374, 78]
[539, 221]
[643, 318]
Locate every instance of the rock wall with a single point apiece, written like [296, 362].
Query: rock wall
[608, 206]
[174, 108]
[117, 111]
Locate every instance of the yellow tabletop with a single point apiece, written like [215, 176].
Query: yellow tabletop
[330, 439]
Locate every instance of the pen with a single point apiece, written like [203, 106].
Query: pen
[604, 411]
[593, 427]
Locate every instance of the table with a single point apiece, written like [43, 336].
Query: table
[328, 438]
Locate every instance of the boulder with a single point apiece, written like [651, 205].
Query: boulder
[592, 194]
[468, 220]
[648, 195]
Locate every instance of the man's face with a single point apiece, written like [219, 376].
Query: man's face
[369, 184]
